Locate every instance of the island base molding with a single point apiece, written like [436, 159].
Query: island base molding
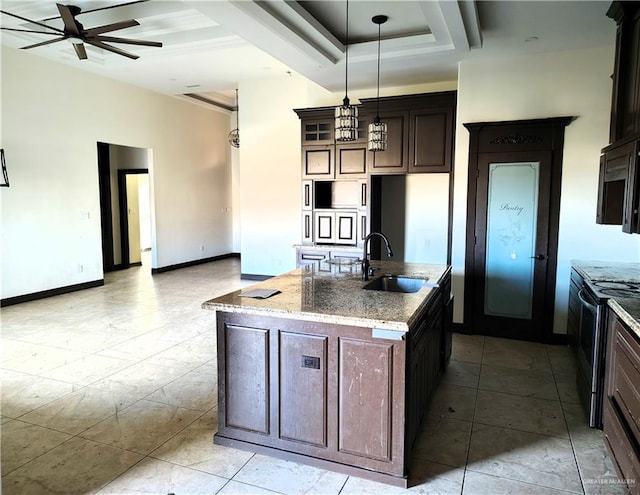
[401, 482]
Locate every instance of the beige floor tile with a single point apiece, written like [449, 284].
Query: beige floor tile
[540, 385]
[80, 410]
[36, 358]
[515, 354]
[236, 488]
[142, 427]
[77, 466]
[462, 373]
[194, 448]
[23, 442]
[467, 348]
[443, 440]
[152, 476]
[521, 413]
[139, 380]
[521, 456]
[424, 478]
[187, 355]
[567, 388]
[453, 401]
[484, 484]
[88, 369]
[289, 478]
[562, 359]
[194, 390]
[578, 424]
[22, 392]
[599, 476]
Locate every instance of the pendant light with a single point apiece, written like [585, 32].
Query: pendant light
[377, 137]
[346, 115]
[234, 135]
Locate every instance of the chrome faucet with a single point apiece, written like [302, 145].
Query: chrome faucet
[365, 257]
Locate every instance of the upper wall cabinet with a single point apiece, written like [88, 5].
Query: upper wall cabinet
[431, 140]
[420, 133]
[394, 160]
[318, 147]
[619, 184]
[625, 103]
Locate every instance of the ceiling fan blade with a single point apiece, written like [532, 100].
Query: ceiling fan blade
[113, 49]
[112, 27]
[29, 31]
[80, 51]
[113, 39]
[32, 22]
[48, 42]
[101, 8]
[70, 23]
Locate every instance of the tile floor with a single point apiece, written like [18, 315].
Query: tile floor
[112, 390]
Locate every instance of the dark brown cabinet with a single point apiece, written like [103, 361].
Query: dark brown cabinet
[351, 160]
[619, 181]
[394, 160]
[420, 133]
[312, 391]
[431, 140]
[625, 102]
[618, 186]
[622, 402]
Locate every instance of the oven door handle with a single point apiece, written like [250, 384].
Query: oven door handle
[586, 303]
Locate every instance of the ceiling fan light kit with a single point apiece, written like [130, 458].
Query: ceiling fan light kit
[377, 135]
[75, 33]
[346, 115]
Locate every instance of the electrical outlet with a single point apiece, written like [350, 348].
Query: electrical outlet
[80, 268]
[202, 247]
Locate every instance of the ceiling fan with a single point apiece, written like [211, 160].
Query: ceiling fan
[77, 35]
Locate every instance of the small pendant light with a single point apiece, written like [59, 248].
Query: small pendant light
[377, 137]
[234, 135]
[346, 115]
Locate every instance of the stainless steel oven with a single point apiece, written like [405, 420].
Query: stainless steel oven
[591, 354]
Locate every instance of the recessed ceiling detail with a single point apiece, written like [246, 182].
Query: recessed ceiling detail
[219, 43]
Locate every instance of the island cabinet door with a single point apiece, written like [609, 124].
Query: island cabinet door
[302, 387]
[371, 403]
[243, 377]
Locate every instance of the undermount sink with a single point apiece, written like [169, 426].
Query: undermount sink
[396, 283]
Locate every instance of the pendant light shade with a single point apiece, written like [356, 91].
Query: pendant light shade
[346, 115]
[377, 135]
[234, 135]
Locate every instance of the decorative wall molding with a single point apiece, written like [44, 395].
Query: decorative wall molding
[516, 138]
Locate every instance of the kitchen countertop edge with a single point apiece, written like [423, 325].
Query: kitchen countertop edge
[416, 302]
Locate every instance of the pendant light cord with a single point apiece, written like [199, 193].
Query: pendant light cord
[346, 56]
[238, 107]
[378, 90]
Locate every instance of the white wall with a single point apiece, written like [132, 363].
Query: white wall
[52, 118]
[270, 173]
[572, 83]
[427, 218]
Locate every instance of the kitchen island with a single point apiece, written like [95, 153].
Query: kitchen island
[328, 373]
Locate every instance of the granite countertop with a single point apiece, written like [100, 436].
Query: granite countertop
[627, 308]
[332, 293]
[611, 271]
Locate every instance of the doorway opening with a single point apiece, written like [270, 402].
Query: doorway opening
[125, 206]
